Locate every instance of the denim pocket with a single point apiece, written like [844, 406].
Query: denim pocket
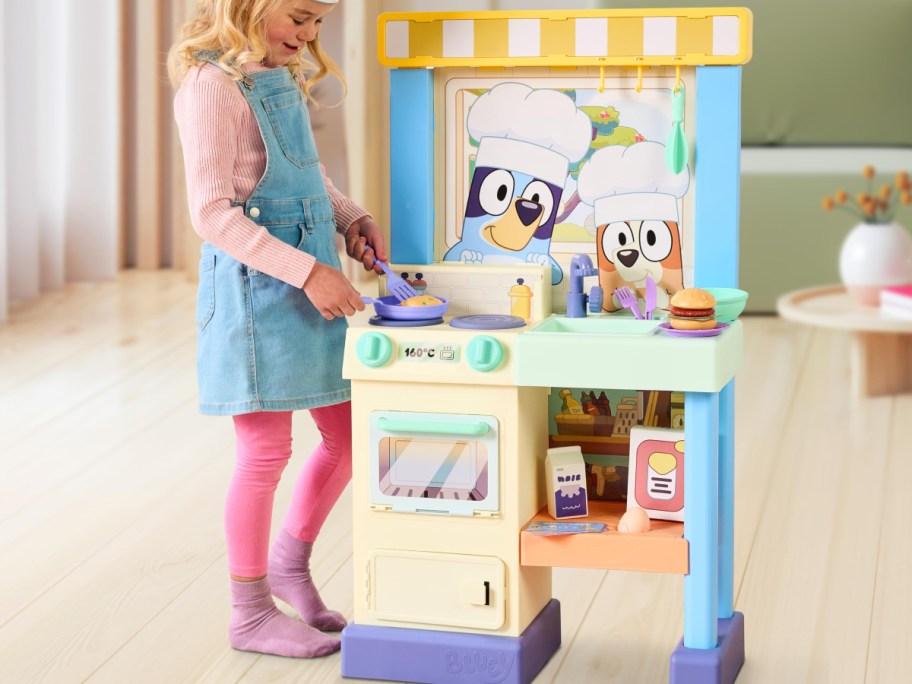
[287, 113]
[205, 298]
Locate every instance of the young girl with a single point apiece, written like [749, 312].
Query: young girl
[272, 301]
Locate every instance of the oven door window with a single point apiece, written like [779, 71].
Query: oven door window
[434, 463]
[433, 469]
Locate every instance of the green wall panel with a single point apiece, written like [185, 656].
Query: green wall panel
[823, 72]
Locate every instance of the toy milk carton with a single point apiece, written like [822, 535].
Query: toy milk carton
[655, 480]
[565, 475]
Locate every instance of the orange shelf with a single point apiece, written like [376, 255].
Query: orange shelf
[662, 549]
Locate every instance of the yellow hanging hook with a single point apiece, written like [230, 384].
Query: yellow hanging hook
[677, 87]
[639, 87]
[601, 87]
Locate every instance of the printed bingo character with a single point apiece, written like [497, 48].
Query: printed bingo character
[635, 203]
[527, 140]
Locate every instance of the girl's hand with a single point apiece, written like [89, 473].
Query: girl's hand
[364, 242]
[331, 292]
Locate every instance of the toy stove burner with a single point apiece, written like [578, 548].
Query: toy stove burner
[395, 323]
[487, 322]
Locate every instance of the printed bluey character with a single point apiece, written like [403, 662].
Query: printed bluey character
[527, 140]
[635, 210]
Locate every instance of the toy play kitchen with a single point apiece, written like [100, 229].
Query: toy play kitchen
[561, 182]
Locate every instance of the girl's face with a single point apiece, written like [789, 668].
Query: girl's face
[290, 27]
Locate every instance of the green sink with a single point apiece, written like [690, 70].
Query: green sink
[596, 325]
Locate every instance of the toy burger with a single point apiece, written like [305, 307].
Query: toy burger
[692, 309]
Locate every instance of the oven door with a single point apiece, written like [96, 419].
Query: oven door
[439, 463]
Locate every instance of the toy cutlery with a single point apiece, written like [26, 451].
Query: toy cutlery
[400, 289]
[628, 300]
[650, 303]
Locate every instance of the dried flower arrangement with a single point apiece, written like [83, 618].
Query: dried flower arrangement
[873, 207]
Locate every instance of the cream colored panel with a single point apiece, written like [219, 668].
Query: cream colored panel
[437, 588]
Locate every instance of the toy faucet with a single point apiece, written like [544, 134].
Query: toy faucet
[581, 267]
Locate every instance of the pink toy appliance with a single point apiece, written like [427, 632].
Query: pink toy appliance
[656, 476]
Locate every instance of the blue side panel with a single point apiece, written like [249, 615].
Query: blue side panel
[701, 518]
[726, 499]
[412, 166]
[717, 162]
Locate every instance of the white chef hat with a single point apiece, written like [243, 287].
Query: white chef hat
[538, 132]
[632, 183]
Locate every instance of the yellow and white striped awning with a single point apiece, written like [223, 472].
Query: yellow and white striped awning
[694, 36]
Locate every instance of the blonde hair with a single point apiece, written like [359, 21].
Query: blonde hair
[235, 31]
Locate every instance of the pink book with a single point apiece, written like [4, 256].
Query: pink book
[901, 290]
[896, 299]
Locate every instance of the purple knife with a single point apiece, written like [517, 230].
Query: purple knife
[650, 297]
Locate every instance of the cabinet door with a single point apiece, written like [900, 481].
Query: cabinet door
[441, 589]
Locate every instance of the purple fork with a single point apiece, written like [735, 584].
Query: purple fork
[400, 289]
[628, 300]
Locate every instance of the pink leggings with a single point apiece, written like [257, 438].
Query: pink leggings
[263, 450]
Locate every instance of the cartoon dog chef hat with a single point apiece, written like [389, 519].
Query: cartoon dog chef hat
[536, 132]
[624, 183]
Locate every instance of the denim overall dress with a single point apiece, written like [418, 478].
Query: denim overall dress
[261, 344]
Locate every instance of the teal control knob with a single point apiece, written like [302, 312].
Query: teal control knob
[374, 349]
[484, 353]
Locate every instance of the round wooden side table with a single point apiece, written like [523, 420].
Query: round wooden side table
[881, 347]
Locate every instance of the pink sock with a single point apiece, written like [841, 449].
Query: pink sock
[289, 575]
[258, 625]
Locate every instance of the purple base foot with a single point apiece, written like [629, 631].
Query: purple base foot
[718, 665]
[420, 655]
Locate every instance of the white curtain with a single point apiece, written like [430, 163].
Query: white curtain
[4, 250]
[60, 157]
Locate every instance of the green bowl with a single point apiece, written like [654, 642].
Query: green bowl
[730, 302]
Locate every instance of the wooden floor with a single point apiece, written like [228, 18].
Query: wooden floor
[111, 493]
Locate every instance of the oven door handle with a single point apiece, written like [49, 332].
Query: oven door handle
[437, 427]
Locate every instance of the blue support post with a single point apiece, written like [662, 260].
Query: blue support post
[412, 166]
[726, 499]
[701, 518]
[717, 171]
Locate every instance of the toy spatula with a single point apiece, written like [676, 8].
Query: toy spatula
[676, 152]
[400, 289]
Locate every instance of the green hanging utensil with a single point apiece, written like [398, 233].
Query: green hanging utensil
[676, 152]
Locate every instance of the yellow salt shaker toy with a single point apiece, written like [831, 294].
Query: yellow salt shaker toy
[521, 296]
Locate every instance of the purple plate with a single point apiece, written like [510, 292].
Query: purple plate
[711, 332]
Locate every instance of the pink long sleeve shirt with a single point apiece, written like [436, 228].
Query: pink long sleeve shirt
[225, 158]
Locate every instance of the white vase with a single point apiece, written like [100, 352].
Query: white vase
[872, 256]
